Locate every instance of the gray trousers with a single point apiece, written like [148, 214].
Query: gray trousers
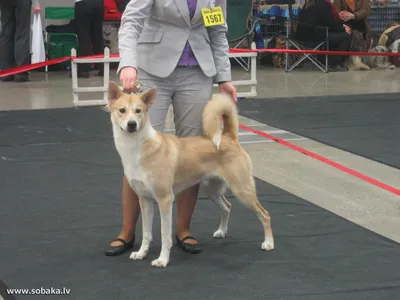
[15, 33]
[188, 89]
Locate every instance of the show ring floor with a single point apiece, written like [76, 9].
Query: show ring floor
[61, 181]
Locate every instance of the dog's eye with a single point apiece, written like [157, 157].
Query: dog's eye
[138, 110]
[122, 110]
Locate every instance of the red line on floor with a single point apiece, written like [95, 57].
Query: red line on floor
[327, 161]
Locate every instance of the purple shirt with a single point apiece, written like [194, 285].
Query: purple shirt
[188, 58]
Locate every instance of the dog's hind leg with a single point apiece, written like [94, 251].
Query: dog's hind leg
[225, 209]
[244, 188]
[147, 210]
[165, 205]
[215, 190]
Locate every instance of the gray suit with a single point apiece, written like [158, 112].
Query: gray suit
[153, 34]
[15, 35]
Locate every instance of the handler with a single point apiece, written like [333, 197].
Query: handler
[179, 47]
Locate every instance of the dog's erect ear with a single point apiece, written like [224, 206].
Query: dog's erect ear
[149, 97]
[114, 92]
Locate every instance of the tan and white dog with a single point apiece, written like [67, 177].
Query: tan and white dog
[159, 166]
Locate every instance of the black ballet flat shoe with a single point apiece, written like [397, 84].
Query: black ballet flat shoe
[189, 248]
[118, 250]
[7, 78]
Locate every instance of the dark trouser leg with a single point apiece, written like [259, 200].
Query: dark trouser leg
[338, 41]
[7, 37]
[83, 23]
[96, 30]
[22, 35]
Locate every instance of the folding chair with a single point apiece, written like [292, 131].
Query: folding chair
[239, 31]
[59, 44]
[291, 41]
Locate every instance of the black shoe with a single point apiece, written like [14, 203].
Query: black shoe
[118, 250]
[83, 75]
[21, 78]
[7, 78]
[189, 248]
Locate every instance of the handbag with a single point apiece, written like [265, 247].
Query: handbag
[38, 51]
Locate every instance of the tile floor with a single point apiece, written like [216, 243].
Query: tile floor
[53, 90]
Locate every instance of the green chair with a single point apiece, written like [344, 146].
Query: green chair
[240, 27]
[60, 44]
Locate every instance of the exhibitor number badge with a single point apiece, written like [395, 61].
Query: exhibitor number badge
[213, 16]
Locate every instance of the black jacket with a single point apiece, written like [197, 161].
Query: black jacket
[322, 14]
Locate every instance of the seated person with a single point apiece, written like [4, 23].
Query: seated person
[354, 14]
[321, 13]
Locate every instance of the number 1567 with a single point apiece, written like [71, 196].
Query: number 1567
[213, 18]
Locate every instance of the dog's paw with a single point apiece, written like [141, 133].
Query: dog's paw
[139, 255]
[268, 245]
[159, 263]
[219, 234]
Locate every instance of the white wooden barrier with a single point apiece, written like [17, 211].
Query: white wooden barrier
[107, 60]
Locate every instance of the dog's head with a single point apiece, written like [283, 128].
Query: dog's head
[129, 111]
[380, 48]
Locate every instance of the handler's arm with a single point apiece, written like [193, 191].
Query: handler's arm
[133, 18]
[220, 47]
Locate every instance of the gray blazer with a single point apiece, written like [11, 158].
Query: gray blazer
[153, 34]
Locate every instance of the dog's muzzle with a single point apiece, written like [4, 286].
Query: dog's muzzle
[131, 126]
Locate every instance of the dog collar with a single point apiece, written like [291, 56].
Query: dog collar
[137, 89]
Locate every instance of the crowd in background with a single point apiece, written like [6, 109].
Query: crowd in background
[347, 21]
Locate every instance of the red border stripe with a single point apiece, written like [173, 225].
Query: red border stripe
[13, 71]
[327, 161]
[17, 70]
[315, 52]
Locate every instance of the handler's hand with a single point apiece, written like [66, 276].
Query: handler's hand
[228, 88]
[128, 78]
[37, 9]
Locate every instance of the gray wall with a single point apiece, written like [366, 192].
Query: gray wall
[63, 3]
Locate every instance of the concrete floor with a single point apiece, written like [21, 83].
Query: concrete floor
[303, 176]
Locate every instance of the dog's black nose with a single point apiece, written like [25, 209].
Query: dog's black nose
[132, 126]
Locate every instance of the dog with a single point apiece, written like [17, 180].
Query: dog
[379, 62]
[357, 63]
[159, 166]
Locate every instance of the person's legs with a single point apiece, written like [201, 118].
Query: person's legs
[22, 36]
[338, 41]
[192, 91]
[130, 201]
[83, 24]
[7, 37]
[96, 31]
[130, 214]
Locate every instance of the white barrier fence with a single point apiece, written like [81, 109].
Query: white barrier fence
[76, 90]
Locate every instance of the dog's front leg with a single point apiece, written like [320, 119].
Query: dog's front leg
[147, 209]
[165, 205]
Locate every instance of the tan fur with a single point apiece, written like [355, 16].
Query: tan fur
[161, 166]
[222, 107]
[354, 63]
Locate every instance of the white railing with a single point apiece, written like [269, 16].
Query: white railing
[76, 90]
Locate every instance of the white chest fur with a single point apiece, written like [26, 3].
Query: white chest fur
[129, 147]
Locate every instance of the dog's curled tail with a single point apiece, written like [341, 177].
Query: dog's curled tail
[221, 105]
